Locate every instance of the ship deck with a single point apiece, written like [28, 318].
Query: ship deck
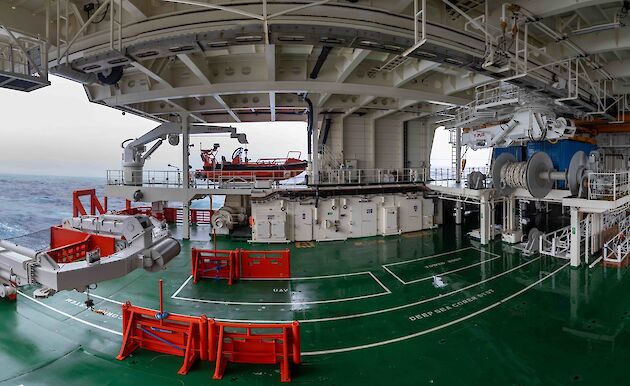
[369, 312]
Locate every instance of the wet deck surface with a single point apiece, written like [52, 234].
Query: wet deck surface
[370, 313]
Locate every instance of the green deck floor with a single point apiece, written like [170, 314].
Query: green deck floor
[370, 314]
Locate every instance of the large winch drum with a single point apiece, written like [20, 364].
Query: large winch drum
[537, 175]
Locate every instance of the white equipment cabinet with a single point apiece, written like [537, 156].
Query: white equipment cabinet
[389, 220]
[303, 222]
[340, 217]
[270, 224]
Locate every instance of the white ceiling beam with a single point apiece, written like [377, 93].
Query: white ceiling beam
[285, 87]
[618, 69]
[400, 5]
[348, 66]
[182, 109]
[155, 76]
[363, 101]
[227, 108]
[408, 72]
[401, 77]
[133, 9]
[77, 13]
[546, 8]
[604, 41]
[218, 7]
[272, 105]
[195, 67]
[150, 73]
[270, 59]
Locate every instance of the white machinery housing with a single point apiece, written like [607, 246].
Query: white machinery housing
[341, 217]
[527, 124]
[141, 242]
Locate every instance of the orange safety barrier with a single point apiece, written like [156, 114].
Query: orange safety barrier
[265, 264]
[68, 245]
[172, 334]
[214, 264]
[95, 204]
[255, 343]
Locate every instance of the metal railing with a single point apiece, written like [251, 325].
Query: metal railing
[558, 243]
[608, 185]
[164, 178]
[240, 179]
[22, 54]
[371, 176]
[446, 174]
[616, 249]
[174, 179]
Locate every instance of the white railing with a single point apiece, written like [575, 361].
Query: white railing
[496, 94]
[23, 55]
[558, 243]
[174, 179]
[446, 174]
[616, 249]
[164, 178]
[608, 186]
[371, 176]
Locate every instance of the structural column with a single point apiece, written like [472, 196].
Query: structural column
[315, 141]
[186, 176]
[485, 221]
[459, 206]
[575, 237]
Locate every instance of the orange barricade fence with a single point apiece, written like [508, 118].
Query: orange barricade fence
[239, 263]
[207, 339]
[172, 334]
[255, 343]
[264, 264]
[214, 264]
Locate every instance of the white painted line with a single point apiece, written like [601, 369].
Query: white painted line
[308, 277]
[385, 310]
[438, 255]
[227, 302]
[70, 316]
[436, 328]
[181, 287]
[452, 271]
[361, 347]
[403, 306]
[394, 275]
[106, 299]
[380, 283]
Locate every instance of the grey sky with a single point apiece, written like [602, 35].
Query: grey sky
[56, 131]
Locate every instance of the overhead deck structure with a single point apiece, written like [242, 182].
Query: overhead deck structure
[543, 83]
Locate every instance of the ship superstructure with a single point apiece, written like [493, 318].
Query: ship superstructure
[420, 249]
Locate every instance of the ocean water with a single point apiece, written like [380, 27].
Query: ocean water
[30, 204]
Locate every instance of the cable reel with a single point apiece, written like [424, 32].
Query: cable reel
[537, 175]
